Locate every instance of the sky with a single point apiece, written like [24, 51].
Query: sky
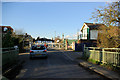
[48, 19]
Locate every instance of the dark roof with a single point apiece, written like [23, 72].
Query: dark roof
[94, 25]
[7, 27]
[45, 39]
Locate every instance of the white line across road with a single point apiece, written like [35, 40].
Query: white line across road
[66, 55]
[59, 64]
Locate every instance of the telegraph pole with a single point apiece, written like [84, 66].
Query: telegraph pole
[55, 34]
[77, 34]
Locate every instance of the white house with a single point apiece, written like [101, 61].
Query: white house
[89, 31]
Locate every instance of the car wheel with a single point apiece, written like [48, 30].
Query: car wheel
[46, 57]
[31, 58]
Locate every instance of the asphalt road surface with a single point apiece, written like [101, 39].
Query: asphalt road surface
[57, 65]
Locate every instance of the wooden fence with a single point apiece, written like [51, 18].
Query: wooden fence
[103, 55]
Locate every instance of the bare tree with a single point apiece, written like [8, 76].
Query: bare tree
[109, 36]
[110, 15]
[19, 31]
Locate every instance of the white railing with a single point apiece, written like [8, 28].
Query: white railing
[53, 45]
[56, 45]
[104, 55]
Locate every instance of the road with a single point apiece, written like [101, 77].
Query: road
[57, 65]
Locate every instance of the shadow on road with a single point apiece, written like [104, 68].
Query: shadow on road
[57, 65]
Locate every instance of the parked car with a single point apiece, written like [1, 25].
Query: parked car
[38, 51]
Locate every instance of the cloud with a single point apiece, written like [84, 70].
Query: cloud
[74, 36]
[68, 36]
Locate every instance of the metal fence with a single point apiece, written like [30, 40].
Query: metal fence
[103, 55]
[9, 56]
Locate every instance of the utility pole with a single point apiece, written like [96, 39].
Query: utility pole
[78, 34]
[62, 36]
[55, 34]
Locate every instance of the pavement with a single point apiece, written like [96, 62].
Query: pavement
[96, 68]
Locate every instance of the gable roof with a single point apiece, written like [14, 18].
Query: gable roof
[94, 25]
[7, 27]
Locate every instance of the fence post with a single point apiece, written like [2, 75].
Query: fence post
[94, 55]
[87, 52]
[59, 46]
[52, 45]
[83, 50]
[66, 45]
[116, 59]
[103, 55]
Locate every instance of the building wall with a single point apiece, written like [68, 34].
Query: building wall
[71, 40]
[93, 34]
[84, 32]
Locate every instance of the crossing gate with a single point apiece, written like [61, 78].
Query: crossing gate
[53, 45]
[56, 46]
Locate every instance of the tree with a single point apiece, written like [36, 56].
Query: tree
[33, 39]
[108, 36]
[38, 38]
[7, 40]
[110, 15]
[58, 40]
[19, 32]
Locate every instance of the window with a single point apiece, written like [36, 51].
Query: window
[38, 47]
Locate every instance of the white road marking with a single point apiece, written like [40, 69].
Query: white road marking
[67, 56]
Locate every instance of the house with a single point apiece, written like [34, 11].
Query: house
[27, 40]
[6, 29]
[89, 32]
[43, 41]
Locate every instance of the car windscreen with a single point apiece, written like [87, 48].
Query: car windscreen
[38, 47]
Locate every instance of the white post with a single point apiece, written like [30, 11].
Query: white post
[59, 45]
[52, 45]
[30, 44]
[103, 56]
[73, 45]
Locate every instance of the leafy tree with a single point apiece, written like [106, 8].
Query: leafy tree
[109, 35]
[11, 39]
[7, 40]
